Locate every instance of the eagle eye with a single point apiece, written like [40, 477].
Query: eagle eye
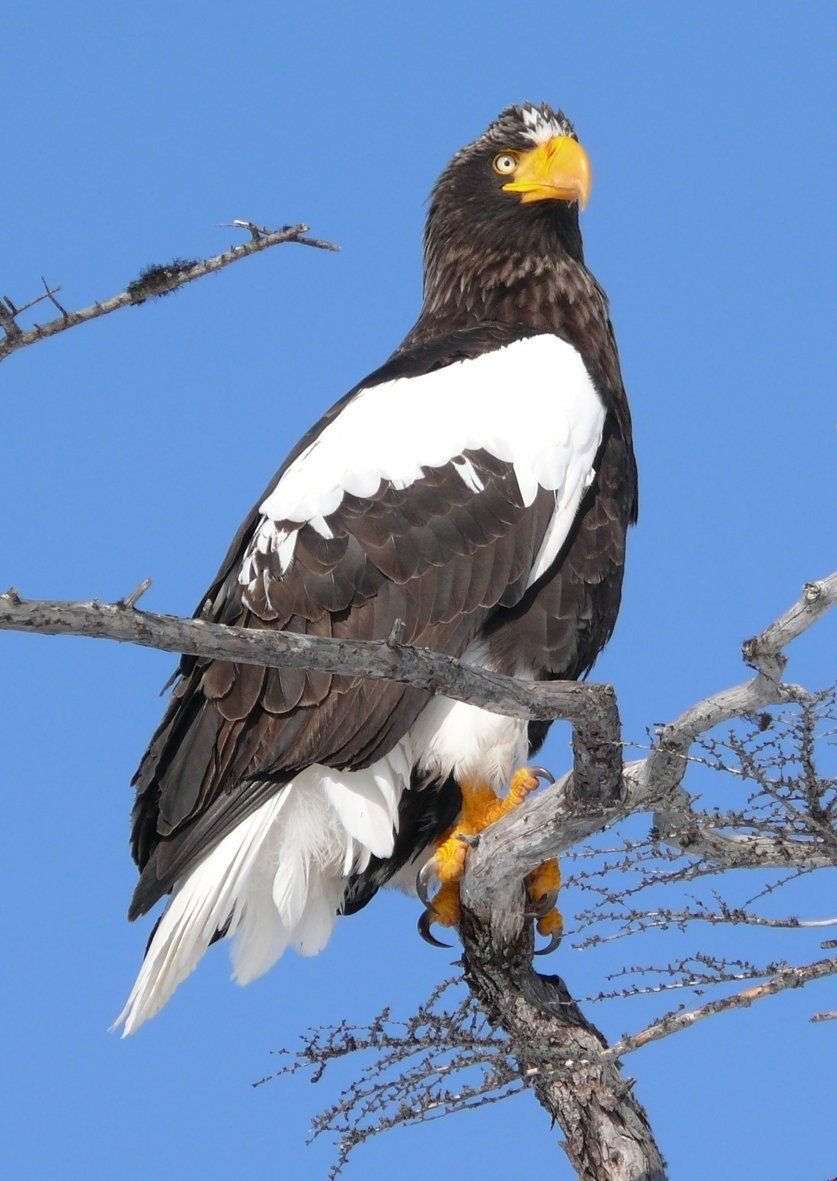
[505, 163]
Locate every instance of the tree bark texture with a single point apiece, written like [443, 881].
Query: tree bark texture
[608, 1136]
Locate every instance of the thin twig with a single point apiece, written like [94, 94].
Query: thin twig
[152, 281]
[674, 1022]
[136, 594]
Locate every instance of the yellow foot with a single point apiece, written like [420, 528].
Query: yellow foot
[480, 808]
[545, 881]
[543, 885]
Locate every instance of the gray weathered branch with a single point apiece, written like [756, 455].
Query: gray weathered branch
[593, 796]
[560, 817]
[592, 708]
[153, 281]
[608, 1136]
[607, 1132]
[574, 1075]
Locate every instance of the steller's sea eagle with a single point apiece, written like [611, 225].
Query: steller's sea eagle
[477, 487]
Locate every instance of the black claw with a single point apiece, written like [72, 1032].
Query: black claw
[423, 879]
[424, 929]
[542, 906]
[469, 839]
[541, 773]
[554, 941]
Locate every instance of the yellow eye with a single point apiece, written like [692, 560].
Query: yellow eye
[505, 163]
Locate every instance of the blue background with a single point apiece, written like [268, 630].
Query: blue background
[135, 445]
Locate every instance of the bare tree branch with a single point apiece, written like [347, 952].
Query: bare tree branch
[152, 281]
[612, 1136]
[376, 659]
[674, 1022]
[608, 1134]
[552, 1046]
[628, 922]
[592, 708]
[443, 1059]
[558, 818]
[454, 1055]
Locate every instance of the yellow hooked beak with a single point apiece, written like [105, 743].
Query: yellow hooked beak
[558, 170]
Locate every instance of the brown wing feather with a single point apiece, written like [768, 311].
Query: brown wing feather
[437, 555]
[560, 624]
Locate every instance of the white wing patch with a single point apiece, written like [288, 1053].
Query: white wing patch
[531, 404]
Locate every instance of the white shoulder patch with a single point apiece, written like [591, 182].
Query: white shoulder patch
[531, 404]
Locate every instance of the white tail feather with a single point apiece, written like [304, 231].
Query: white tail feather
[363, 810]
[276, 880]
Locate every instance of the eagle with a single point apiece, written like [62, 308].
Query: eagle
[476, 491]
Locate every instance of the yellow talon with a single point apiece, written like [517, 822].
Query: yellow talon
[523, 784]
[480, 808]
[544, 880]
[450, 860]
[552, 923]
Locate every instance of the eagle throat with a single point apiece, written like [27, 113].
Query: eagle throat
[536, 281]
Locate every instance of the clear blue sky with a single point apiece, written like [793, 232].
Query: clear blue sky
[134, 446]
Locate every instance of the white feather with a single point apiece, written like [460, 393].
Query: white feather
[362, 809]
[320, 915]
[540, 127]
[207, 898]
[472, 744]
[275, 881]
[260, 935]
[467, 471]
[531, 403]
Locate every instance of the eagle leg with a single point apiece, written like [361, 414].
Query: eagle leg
[480, 808]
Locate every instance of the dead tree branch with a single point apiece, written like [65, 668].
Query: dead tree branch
[152, 281]
[592, 708]
[608, 1136]
[557, 1051]
[677, 1021]
[607, 1131]
[664, 919]
[559, 818]
[443, 1059]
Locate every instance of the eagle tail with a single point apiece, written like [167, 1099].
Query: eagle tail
[276, 880]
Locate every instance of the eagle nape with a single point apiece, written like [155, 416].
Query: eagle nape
[481, 807]
[479, 487]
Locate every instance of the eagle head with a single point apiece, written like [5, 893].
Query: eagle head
[506, 203]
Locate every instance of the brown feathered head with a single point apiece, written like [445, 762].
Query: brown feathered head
[507, 202]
